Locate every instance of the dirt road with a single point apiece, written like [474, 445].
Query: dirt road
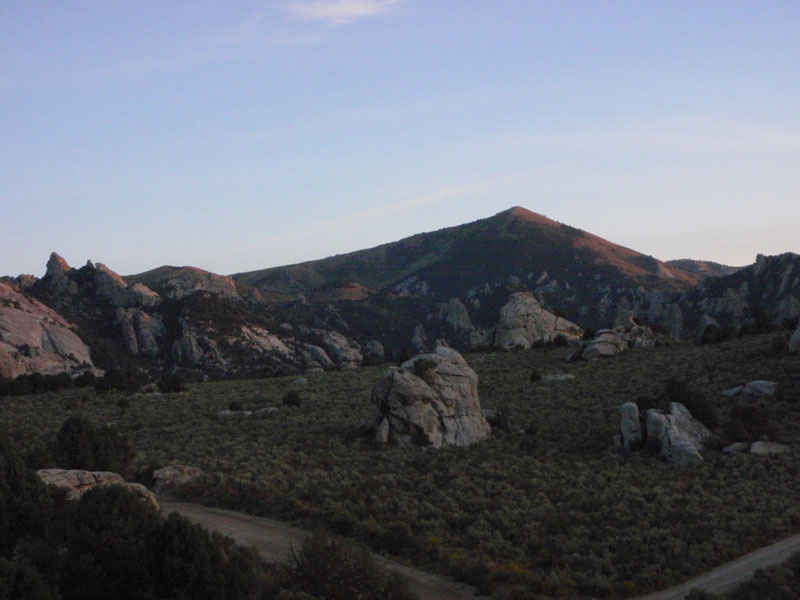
[274, 539]
[729, 575]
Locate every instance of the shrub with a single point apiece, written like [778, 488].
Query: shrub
[171, 383]
[81, 445]
[560, 341]
[423, 367]
[589, 334]
[124, 380]
[20, 580]
[677, 390]
[292, 398]
[535, 376]
[235, 405]
[85, 379]
[747, 423]
[404, 355]
[324, 563]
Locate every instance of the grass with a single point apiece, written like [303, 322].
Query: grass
[545, 507]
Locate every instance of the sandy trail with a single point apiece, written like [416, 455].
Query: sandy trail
[274, 539]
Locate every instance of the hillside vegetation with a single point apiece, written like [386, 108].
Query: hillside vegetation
[546, 506]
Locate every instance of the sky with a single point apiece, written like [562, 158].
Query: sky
[239, 135]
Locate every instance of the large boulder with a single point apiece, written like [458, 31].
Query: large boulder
[36, 339]
[605, 344]
[523, 322]
[678, 436]
[77, 482]
[629, 425]
[431, 400]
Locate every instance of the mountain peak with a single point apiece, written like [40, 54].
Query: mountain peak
[523, 214]
[56, 265]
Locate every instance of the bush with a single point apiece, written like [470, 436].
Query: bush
[171, 383]
[235, 406]
[19, 580]
[423, 367]
[560, 341]
[122, 380]
[326, 567]
[535, 376]
[747, 423]
[81, 445]
[589, 334]
[292, 398]
[677, 390]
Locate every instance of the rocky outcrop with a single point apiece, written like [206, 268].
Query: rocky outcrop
[110, 285]
[36, 339]
[77, 482]
[173, 475]
[57, 276]
[188, 280]
[342, 350]
[523, 322]
[431, 400]
[140, 331]
[456, 314]
[678, 436]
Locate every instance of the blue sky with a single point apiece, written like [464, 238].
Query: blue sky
[239, 135]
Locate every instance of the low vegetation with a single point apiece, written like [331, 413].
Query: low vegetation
[545, 507]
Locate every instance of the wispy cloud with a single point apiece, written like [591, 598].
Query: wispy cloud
[340, 12]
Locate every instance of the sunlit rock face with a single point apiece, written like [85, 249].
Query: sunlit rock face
[36, 339]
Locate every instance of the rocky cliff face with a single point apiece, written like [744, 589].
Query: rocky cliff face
[36, 339]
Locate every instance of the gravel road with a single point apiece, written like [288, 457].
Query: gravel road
[274, 539]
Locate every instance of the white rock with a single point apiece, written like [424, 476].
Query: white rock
[764, 448]
[629, 425]
[438, 407]
[761, 388]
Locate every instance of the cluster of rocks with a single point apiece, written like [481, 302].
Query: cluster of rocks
[624, 334]
[77, 482]
[754, 388]
[676, 435]
[430, 400]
